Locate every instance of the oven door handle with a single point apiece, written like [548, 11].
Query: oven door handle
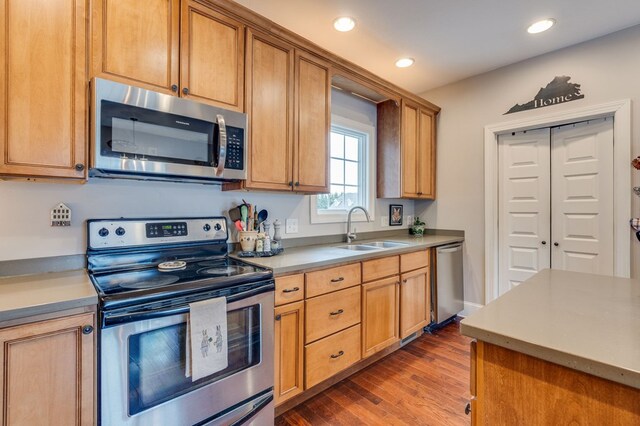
[222, 144]
[121, 317]
[257, 407]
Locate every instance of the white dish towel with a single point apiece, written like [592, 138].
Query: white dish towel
[206, 350]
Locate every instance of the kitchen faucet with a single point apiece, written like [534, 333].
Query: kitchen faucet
[352, 235]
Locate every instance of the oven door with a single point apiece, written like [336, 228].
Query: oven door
[142, 366]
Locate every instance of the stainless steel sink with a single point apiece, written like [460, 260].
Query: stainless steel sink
[385, 244]
[359, 247]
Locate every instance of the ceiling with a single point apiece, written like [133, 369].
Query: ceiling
[451, 39]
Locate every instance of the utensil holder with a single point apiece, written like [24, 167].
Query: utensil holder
[248, 240]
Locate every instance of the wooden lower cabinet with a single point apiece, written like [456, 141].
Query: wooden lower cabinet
[289, 345]
[48, 372]
[332, 312]
[331, 355]
[512, 388]
[414, 301]
[380, 315]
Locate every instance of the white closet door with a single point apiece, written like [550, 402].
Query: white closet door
[524, 222]
[582, 197]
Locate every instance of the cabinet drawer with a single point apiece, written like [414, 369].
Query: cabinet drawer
[289, 289]
[329, 356]
[332, 312]
[380, 268]
[332, 279]
[416, 260]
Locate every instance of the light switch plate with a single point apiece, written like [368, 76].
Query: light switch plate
[61, 215]
[384, 220]
[291, 226]
[409, 220]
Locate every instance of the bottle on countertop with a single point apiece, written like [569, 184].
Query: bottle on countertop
[276, 230]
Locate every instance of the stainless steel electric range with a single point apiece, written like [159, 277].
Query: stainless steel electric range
[146, 273]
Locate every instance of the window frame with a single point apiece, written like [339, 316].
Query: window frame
[367, 165]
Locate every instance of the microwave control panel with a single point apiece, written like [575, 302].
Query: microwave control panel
[235, 148]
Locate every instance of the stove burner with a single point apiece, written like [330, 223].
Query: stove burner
[224, 271]
[140, 280]
[172, 266]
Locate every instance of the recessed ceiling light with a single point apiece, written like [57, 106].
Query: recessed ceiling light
[344, 24]
[540, 26]
[404, 62]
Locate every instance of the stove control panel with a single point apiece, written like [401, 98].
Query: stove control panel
[106, 233]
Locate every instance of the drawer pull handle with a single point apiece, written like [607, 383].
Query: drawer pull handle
[291, 290]
[338, 355]
[467, 409]
[337, 280]
[338, 312]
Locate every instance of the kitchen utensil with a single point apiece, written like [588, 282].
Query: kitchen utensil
[234, 214]
[262, 216]
[238, 224]
[244, 211]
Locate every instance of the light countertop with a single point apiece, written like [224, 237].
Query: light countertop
[27, 295]
[585, 322]
[308, 257]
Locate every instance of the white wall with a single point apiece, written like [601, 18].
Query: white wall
[607, 68]
[25, 206]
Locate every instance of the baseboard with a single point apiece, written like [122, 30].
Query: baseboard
[469, 308]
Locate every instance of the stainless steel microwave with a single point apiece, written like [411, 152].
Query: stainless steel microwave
[141, 134]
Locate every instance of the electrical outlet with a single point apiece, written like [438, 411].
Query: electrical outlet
[61, 215]
[384, 220]
[291, 226]
[409, 220]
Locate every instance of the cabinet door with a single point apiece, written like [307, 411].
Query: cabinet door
[427, 153]
[211, 57]
[269, 91]
[414, 301]
[47, 378]
[409, 147]
[289, 347]
[313, 121]
[137, 42]
[380, 314]
[43, 101]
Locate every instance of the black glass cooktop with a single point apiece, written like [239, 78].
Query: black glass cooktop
[173, 277]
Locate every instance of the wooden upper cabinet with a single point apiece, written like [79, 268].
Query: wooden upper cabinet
[137, 42]
[43, 97]
[313, 122]
[269, 92]
[406, 150]
[211, 57]
[48, 372]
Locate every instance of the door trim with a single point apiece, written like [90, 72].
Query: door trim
[621, 111]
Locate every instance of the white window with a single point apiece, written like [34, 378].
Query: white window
[351, 173]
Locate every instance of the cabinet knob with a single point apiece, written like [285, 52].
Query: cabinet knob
[79, 167]
[297, 183]
[467, 409]
[185, 90]
[338, 355]
[278, 317]
[544, 243]
[290, 183]
[556, 244]
[174, 88]
[87, 329]
[291, 290]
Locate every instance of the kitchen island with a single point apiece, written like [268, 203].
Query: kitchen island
[561, 347]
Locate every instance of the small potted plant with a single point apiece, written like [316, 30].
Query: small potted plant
[418, 227]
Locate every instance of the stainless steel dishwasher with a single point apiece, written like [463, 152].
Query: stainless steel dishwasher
[447, 292]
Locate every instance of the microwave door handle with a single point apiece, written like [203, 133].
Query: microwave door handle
[222, 148]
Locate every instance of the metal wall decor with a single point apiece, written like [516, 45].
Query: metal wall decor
[558, 91]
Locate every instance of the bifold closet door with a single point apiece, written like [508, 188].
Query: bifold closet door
[524, 220]
[582, 197]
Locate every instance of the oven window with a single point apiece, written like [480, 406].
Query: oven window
[137, 133]
[157, 359]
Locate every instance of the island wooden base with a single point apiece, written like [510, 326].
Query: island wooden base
[512, 388]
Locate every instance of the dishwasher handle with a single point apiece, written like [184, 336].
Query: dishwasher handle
[450, 249]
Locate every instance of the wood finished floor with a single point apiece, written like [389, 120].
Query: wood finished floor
[424, 383]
